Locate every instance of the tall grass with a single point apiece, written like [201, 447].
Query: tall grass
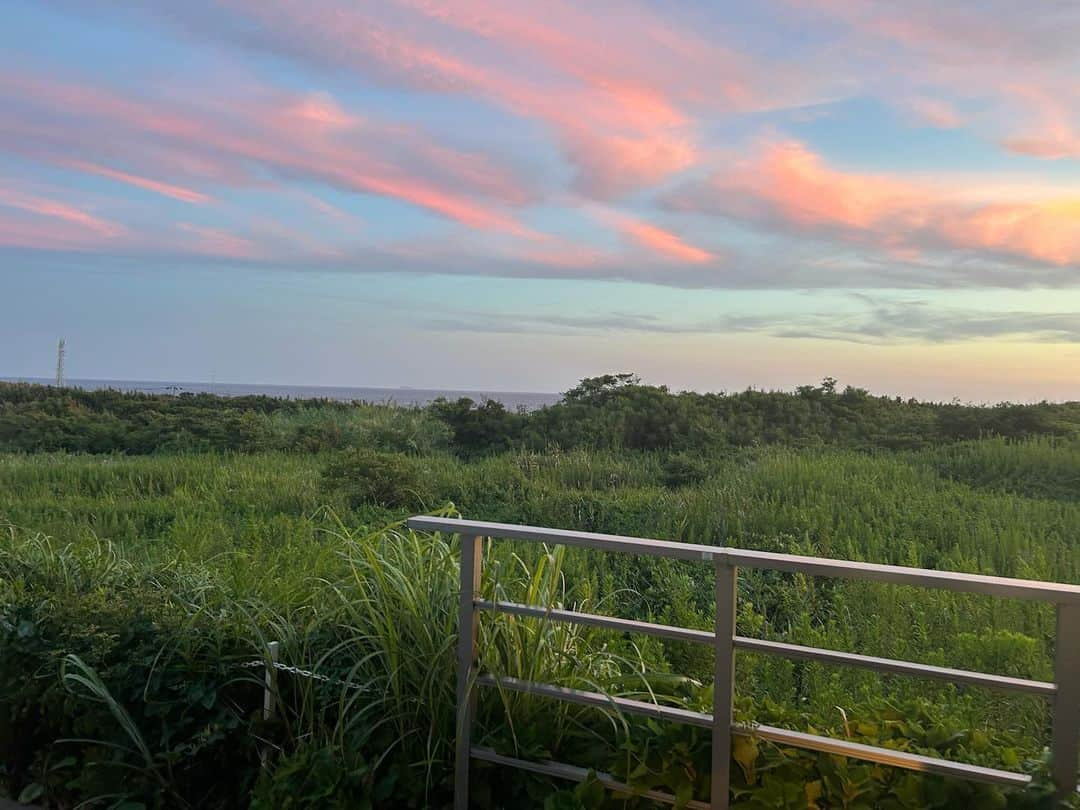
[379, 623]
[225, 553]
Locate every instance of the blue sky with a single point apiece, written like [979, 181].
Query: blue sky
[451, 193]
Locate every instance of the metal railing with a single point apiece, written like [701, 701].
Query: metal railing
[1064, 692]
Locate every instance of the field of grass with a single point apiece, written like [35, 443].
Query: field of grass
[132, 588]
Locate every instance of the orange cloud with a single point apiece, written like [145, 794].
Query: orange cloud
[666, 243]
[1046, 231]
[789, 188]
[656, 239]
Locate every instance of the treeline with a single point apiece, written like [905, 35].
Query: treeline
[617, 411]
[39, 418]
[609, 412]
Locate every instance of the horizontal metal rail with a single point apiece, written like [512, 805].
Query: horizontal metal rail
[594, 620]
[1064, 691]
[599, 700]
[984, 679]
[797, 651]
[780, 736]
[561, 770]
[887, 756]
[562, 537]
[1056, 592]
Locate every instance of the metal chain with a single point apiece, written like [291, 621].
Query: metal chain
[303, 673]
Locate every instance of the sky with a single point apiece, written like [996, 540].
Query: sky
[513, 195]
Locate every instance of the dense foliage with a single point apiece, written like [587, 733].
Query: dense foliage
[37, 418]
[619, 412]
[614, 412]
[133, 591]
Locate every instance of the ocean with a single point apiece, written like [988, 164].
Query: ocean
[513, 400]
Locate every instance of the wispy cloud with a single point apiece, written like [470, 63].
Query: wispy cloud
[156, 186]
[219, 243]
[56, 210]
[253, 139]
[881, 322]
[934, 112]
[663, 242]
[1017, 64]
[621, 87]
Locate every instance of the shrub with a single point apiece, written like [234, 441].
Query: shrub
[373, 477]
[322, 778]
[112, 689]
[683, 469]
[479, 428]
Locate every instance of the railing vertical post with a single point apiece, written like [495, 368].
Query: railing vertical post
[723, 682]
[270, 682]
[471, 551]
[269, 693]
[1065, 746]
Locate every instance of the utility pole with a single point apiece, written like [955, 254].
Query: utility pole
[60, 364]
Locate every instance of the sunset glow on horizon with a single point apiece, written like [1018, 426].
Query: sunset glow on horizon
[512, 195]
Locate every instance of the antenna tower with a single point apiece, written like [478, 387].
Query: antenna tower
[60, 351]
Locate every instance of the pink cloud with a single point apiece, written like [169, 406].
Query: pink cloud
[1047, 145]
[330, 210]
[53, 209]
[665, 243]
[637, 77]
[37, 234]
[424, 196]
[787, 187]
[935, 112]
[787, 181]
[1016, 64]
[271, 135]
[614, 164]
[661, 242]
[1048, 131]
[158, 187]
[322, 111]
[219, 243]
[603, 53]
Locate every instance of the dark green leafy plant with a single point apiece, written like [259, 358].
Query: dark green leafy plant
[372, 477]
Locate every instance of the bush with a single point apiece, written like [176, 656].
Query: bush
[111, 688]
[613, 412]
[320, 778]
[479, 428]
[368, 477]
[682, 470]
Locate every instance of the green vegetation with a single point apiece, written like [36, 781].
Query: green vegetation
[152, 546]
[614, 412]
